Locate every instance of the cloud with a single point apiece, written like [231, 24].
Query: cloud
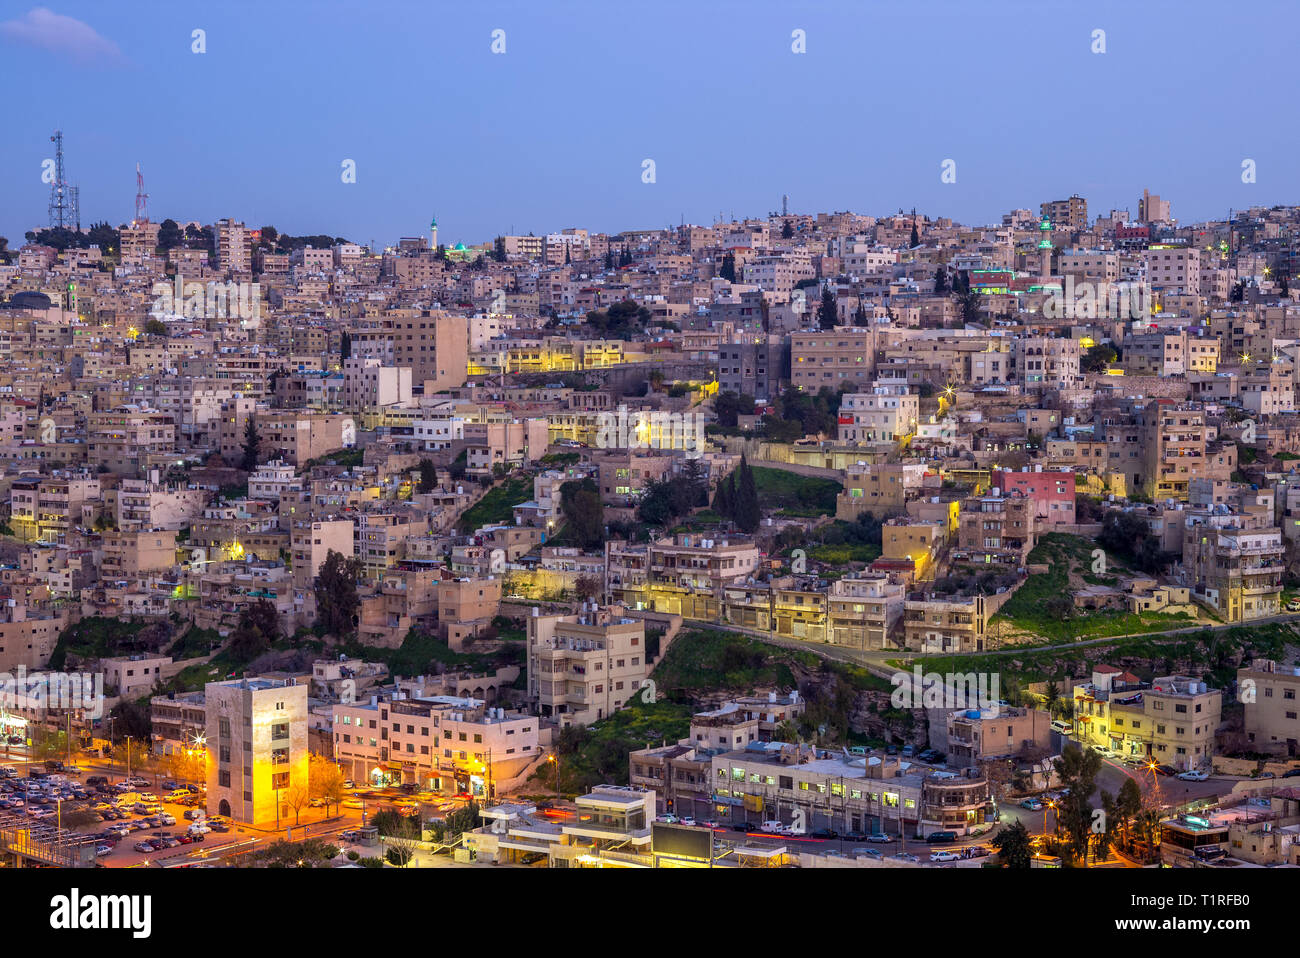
[65, 36]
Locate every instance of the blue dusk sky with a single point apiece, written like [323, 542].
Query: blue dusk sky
[553, 132]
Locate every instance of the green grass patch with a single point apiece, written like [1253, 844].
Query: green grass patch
[598, 754]
[497, 504]
[95, 637]
[799, 495]
[842, 554]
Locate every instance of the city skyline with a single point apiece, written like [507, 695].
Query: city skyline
[488, 161]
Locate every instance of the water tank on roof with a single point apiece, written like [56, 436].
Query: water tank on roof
[972, 713]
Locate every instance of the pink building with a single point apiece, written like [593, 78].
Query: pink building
[1051, 490]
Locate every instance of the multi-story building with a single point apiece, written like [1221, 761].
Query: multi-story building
[938, 623]
[885, 415]
[448, 744]
[581, 668]
[1270, 695]
[257, 749]
[865, 610]
[845, 354]
[997, 528]
[1235, 570]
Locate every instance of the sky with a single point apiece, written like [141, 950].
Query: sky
[554, 131]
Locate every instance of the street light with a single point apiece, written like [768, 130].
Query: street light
[554, 759]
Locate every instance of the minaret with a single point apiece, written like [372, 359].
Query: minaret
[433, 234]
[1045, 247]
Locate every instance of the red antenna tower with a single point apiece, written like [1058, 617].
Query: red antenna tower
[141, 198]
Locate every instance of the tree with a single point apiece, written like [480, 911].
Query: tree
[258, 627]
[169, 235]
[787, 230]
[1012, 845]
[728, 269]
[723, 498]
[297, 797]
[586, 587]
[402, 842]
[324, 779]
[827, 314]
[583, 512]
[104, 236]
[1098, 357]
[155, 327]
[428, 476]
[968, 302]
[337, 601]
[251, 442]
[941, 286]
[1077, 769]
[727, 406]
[916, 237]
[345, 347]
[499, 249]
[748, 514]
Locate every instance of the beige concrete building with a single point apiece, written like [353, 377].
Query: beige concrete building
[1270, 694]
[257, 749]
[583, 667]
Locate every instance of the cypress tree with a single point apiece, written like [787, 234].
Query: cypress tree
[748, 514]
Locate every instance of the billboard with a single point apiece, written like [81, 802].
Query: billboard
[681, 841]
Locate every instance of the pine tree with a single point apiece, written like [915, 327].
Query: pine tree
[748, 512]
[941, 281]
[722, 498]
[827, 314]
[916, 237]
[251, 443]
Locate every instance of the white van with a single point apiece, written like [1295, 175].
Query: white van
[1065, 728]
[774, 828]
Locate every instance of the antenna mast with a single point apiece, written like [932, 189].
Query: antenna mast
[63, 198]
[141, 198]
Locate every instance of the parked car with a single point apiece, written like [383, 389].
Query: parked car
[143, 846]
[906, 857]
[1193, 775]
[170, 785]
[1291, 774]
[1293, 605]
[1033, 804]
[944, 855]
[879, 838]
[935, 837]
[868, 853]
[829, 834]
[774, 828]
[219, 827]
[1166, 770]
[1103, 751]
[909, 750]
[974, 851]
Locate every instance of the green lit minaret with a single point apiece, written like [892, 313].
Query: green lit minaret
[1045, 247]
[433, 233]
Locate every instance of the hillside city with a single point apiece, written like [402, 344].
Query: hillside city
[799, 540]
